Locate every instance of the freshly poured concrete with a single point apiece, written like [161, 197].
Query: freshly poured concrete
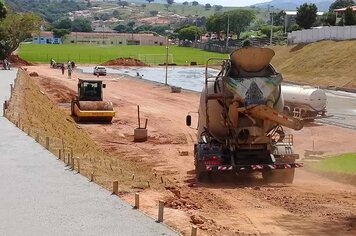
[40, 196]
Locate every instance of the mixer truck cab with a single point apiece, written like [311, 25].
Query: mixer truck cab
[241, 120]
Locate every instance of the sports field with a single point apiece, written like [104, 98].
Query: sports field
[345, 163]
[81, 53]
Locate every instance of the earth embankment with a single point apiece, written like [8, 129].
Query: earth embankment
[324, 63]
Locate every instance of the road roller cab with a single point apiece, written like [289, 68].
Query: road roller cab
[88, 105]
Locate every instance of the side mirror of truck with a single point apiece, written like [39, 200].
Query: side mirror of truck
[188, 120]
[104, 85]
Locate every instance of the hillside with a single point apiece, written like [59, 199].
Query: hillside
[323, 5]
[50, 11]
[326, 63]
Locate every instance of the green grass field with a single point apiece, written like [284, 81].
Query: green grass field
[345, 163]
[81, 53]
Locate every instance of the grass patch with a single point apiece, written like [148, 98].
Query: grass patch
[83, 53]
[345, 163]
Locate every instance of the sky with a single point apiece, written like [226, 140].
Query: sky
[235, 3]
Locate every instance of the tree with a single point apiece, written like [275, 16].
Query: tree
[81, 25]
[123, 4]
[266, 30]
[278, 19]
[3, 11]
[189, 33]
[195, 3]
[306, 15]
[122, 29]
[218, 7]
[131, 25]
[154, 13]
[350, 17]
[238, 20]
[59, 33]
[207, 6]
[116, 13]
[169, 3]
[14, 29]
[215, 24]
[341, 4]
[329, 18]
[65, 23]
[149, 1]
[185, 3]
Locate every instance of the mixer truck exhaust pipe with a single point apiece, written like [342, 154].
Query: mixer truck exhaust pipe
[241, 120]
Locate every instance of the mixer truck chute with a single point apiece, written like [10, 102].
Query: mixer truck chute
[241, 119]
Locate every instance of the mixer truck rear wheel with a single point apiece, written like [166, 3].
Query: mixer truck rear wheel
[202, 175]
[279, 176]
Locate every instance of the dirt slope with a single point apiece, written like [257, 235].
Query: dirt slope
[321, 63]
[229, 205]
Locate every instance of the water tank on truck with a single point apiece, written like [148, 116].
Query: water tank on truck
[304, 102]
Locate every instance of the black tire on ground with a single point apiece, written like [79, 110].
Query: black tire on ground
[201, 174]
[285, 176]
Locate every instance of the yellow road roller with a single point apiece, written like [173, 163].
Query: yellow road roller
[88, 105]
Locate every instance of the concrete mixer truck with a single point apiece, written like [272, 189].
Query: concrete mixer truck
[241, 120]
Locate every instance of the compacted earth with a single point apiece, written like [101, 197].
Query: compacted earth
[228, 204]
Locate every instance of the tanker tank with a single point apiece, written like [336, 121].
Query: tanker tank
[304, 102]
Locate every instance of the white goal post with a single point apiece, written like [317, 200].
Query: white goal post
[155, 59]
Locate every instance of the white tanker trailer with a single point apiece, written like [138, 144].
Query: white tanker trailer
[240, 126]
[304, 102]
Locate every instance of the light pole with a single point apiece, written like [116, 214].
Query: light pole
[227, 31]
[196, 33]
[271, 38]
[166, 78]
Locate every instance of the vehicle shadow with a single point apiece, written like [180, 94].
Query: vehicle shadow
[231, 180]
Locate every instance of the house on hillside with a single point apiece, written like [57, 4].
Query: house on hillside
[341, 11]
[45, 37]
[290, 18]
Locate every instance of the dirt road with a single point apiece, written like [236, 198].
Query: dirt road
[313, 205]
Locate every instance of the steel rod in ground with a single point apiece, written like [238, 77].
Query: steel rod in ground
[115, 187]
[137, 201]
[194, 231]
[47, 143]
[160, 211]
[92, 176]
[4, 108]
[71, 162]
[138, 116]
[78, 159]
